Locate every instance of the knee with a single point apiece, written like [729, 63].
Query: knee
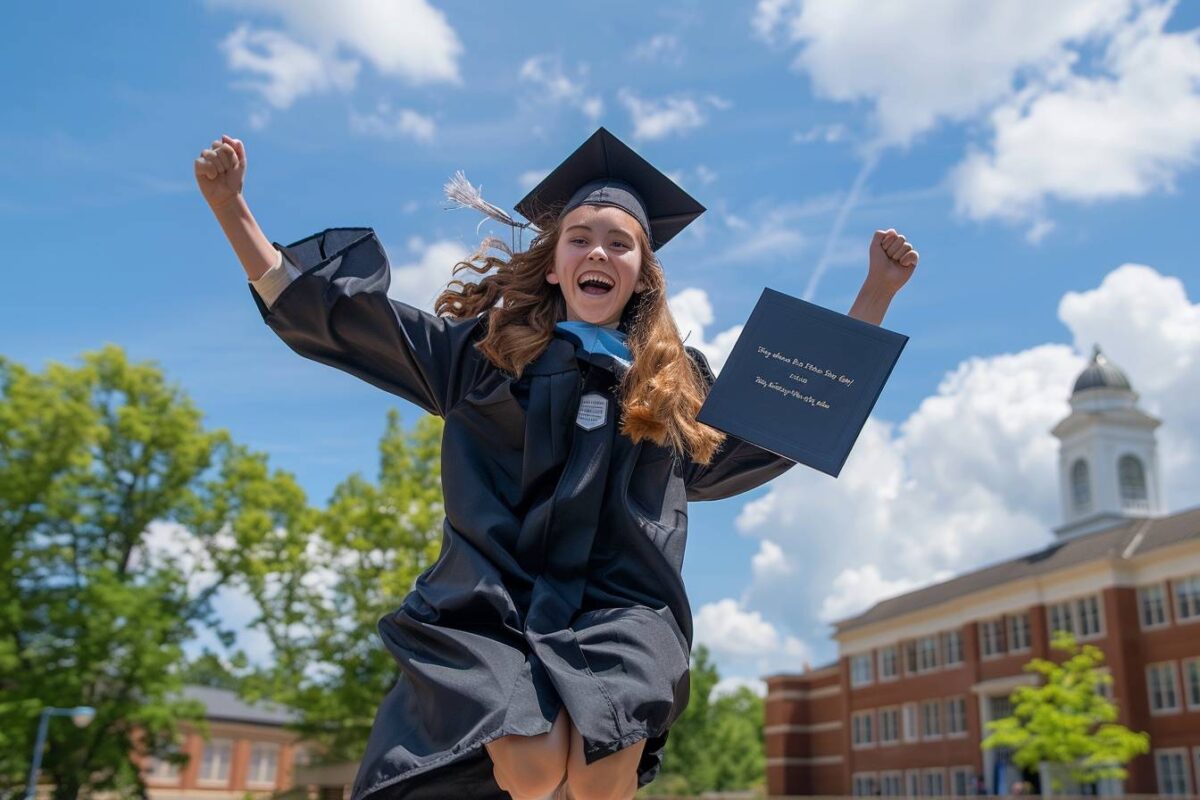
[530, 768]
[588, 783]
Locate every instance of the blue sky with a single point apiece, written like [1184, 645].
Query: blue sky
[1041, 157]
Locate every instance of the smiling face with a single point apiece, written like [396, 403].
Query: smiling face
[598, 263]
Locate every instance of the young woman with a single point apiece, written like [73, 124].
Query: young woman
[546, 651]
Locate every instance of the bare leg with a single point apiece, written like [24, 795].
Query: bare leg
[532, 767]
[613, 777]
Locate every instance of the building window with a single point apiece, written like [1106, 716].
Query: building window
[862, 728]
[935, 782]
[927, 653]
[1172, 769]
[161, 770]
[912, 777]
[991, 638]
[1152, 606]
[889, 725]
[1191, 683]
[864, 784]
[931, 720]
[264, 762]
[952, 647]
[1187, 598]
[891, 784]
[1081, 489]
[889, 664]
[1018, 633]
[910, 657]
[1060, 618]
[214, 764]
[1132, 477]
[1164, 692]
[910, 722]
[956, 716]
[962, 781]
[1105, 687]
[860, 669]
[1090, 622]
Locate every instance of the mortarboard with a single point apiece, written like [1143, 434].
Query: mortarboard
[604, 171]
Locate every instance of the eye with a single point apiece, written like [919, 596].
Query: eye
[579, 240]
[621, 244]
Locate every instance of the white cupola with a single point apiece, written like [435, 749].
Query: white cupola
[1107, 457]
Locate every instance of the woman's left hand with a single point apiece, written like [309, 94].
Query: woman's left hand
[892, 260]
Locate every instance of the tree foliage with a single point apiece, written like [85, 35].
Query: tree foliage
[1065, 720]
[120, 518]
[717, 743]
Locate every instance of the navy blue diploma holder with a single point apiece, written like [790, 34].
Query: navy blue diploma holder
[801, 380]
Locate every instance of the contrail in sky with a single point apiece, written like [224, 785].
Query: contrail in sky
[869, 163]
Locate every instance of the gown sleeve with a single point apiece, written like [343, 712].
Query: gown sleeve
[737, 466]
[327, 300]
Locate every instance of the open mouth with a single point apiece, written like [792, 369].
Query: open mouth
[595, 283]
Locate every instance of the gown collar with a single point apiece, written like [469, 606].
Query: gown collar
[596, 344]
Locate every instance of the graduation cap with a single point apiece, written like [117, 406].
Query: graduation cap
[602, 171]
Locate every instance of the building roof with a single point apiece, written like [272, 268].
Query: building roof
[1100, 373]
[226, 705]
[1123, 541]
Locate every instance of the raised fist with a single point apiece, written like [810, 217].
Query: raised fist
[221, 170]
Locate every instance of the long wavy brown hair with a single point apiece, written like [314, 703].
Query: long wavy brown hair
[663, 390]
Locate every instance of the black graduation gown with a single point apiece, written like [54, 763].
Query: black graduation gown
[559, 578]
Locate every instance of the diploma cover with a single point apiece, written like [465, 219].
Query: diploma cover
[801, 380]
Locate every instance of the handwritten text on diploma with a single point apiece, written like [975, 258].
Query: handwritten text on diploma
[804, 370]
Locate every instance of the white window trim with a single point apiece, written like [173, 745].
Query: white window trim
[946, 718]
[909, 775]
[1179, 699]
[1100, 620]
[943, 637]
[925, 773]
[158, 779]
[1166, 604]
[970, 786]
[937, 646]
[930, 737]
[916, 731]
[879, 666]
[871, 679]
[210, 782]
[1187, 772]
[1179, 620]
[1028, 633]
[1187, 698]
[874, 722]
[888, 773]
[999, 653]
[899, 726]
[873, 777]
[250, 781]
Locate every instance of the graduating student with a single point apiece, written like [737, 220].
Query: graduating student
[547, 648]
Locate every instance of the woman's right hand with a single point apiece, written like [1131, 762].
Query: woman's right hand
[221, 171]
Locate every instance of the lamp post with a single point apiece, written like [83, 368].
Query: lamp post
[80, 715]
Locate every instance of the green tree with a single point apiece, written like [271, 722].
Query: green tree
[716, 744]
[120, 518]
[1066, 722]
[321, 597]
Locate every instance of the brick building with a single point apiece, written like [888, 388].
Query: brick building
[902, 710]
[248, 752]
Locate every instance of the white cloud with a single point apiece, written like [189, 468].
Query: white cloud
[388, 123]
[921, 63]
[531, 178]
[657, 119]
[693, 312]
[406, 39]
[1093, 138]
[419, 282]
[547, 73]
[828, 134]
[770, 561]
[286, 69]
[971, 476]
[743, 641]
[731, 685]
[662, 48]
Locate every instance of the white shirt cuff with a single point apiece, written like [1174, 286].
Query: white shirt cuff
[275, 280]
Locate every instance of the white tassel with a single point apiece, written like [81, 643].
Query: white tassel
[460, 191]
